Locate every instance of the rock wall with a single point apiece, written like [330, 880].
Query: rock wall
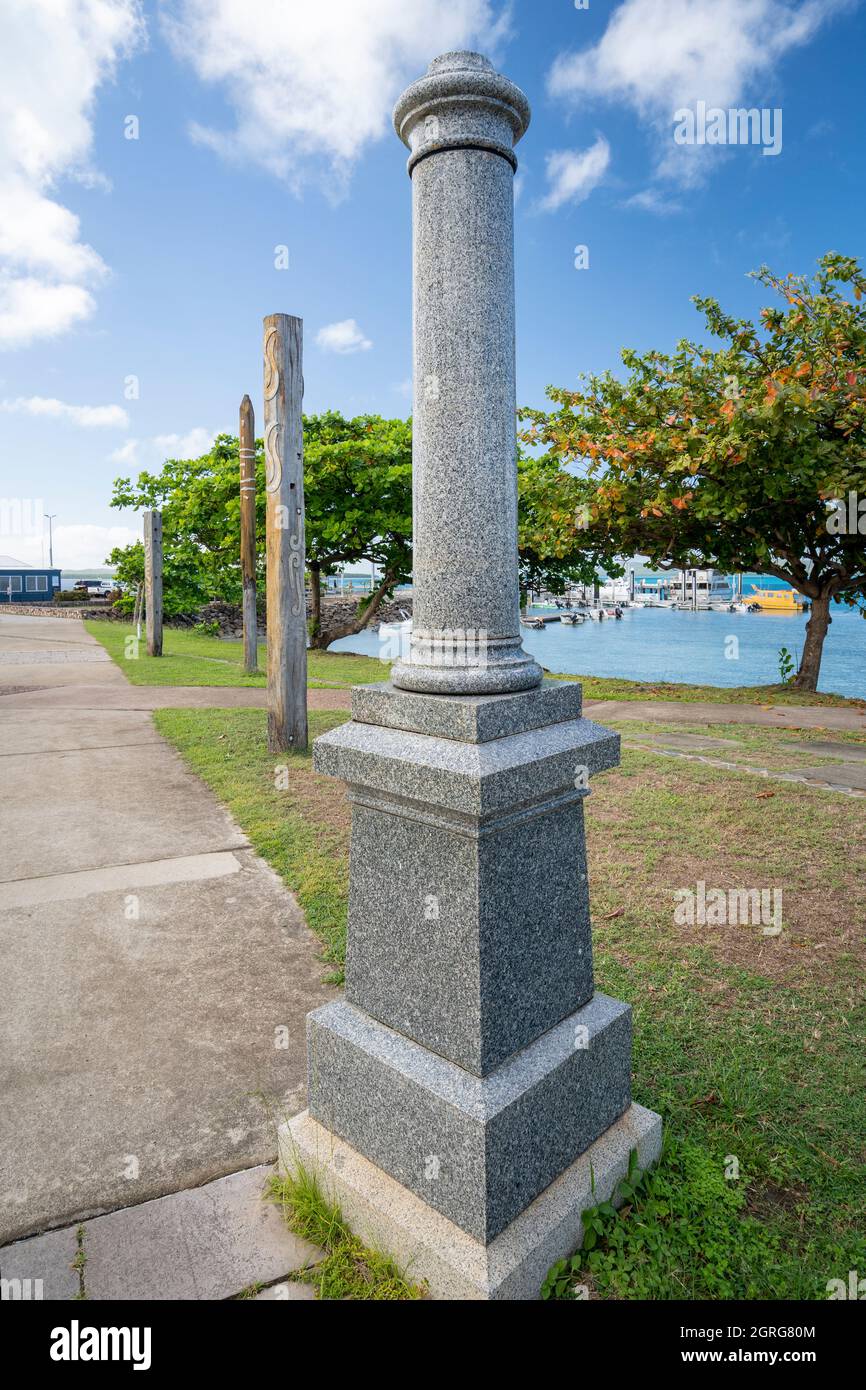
[335, 612]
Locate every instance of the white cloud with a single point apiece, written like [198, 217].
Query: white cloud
[652, 200]
[127, 453]
[342, 337]
[191, 445]
[662, 55]
[152, 453]
[87, 416]
[312, 83]
[573, 174]
[75, 547]
[54, 55]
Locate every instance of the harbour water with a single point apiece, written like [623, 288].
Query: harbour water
[660, 644]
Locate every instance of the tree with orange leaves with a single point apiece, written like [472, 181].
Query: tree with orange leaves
[748, 456]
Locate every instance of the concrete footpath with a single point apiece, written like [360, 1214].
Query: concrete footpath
[705, 712]
[155, 972]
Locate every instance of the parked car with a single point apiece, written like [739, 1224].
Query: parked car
[97, 587]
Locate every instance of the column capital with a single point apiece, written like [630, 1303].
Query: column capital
[462, 102]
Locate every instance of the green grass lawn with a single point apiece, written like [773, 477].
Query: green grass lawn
[190, 658]
[750, 1046]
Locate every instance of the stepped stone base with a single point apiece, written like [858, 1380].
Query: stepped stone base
[433, 1249]
[477, 1149]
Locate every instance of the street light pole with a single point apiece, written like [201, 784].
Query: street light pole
[49, 519]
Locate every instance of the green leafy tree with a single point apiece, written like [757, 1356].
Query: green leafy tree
[184, 586]
[732, 456]
[358, 496]
[556, 542]
[200, 503]
[359, 507]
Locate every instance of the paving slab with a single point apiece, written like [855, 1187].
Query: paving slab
[703, 712]
[46, 1261]
[851, 752]
[206, 1243]
[87, 808]
[118, 878]
[25, 694]
[138, 1057]
[49, 653]
[61, 731]
[697, 741]
[849, 775]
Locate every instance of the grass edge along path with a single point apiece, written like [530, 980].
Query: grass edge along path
[265, 799]
[350, 1270]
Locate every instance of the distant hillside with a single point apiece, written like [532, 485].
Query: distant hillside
[70, 577]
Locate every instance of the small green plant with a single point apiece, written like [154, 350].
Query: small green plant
[787, 666]
[349, 1269]
[681, 1231]
[208, 629]
[560, 1279]
[79, 1264]
[252, 1290]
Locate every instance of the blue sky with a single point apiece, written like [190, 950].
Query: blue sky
[265, 124]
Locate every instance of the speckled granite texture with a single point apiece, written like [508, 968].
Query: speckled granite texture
[461, 122]
[480, 780]
[476, 939]
[467, 718]
[477, 1149]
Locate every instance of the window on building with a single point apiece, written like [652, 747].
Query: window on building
[10, 583]
[36, 584]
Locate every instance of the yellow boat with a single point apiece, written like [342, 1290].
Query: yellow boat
[775, 600]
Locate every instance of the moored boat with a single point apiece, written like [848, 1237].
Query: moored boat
[775, 600]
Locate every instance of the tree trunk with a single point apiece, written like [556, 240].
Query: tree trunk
[321, 639]
[816, 630]
[315, 603]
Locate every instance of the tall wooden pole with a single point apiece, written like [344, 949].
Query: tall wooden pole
[153, 581]
[284, 483]
[247, 437]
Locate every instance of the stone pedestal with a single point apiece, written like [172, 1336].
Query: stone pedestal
[472, 1079]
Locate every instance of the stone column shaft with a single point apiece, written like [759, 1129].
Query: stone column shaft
[461, 122]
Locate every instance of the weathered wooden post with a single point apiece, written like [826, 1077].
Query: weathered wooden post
[284, 484]
[470, 1095]
[153, 581]
[247, 441]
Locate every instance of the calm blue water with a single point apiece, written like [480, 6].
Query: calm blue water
[657, 644]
